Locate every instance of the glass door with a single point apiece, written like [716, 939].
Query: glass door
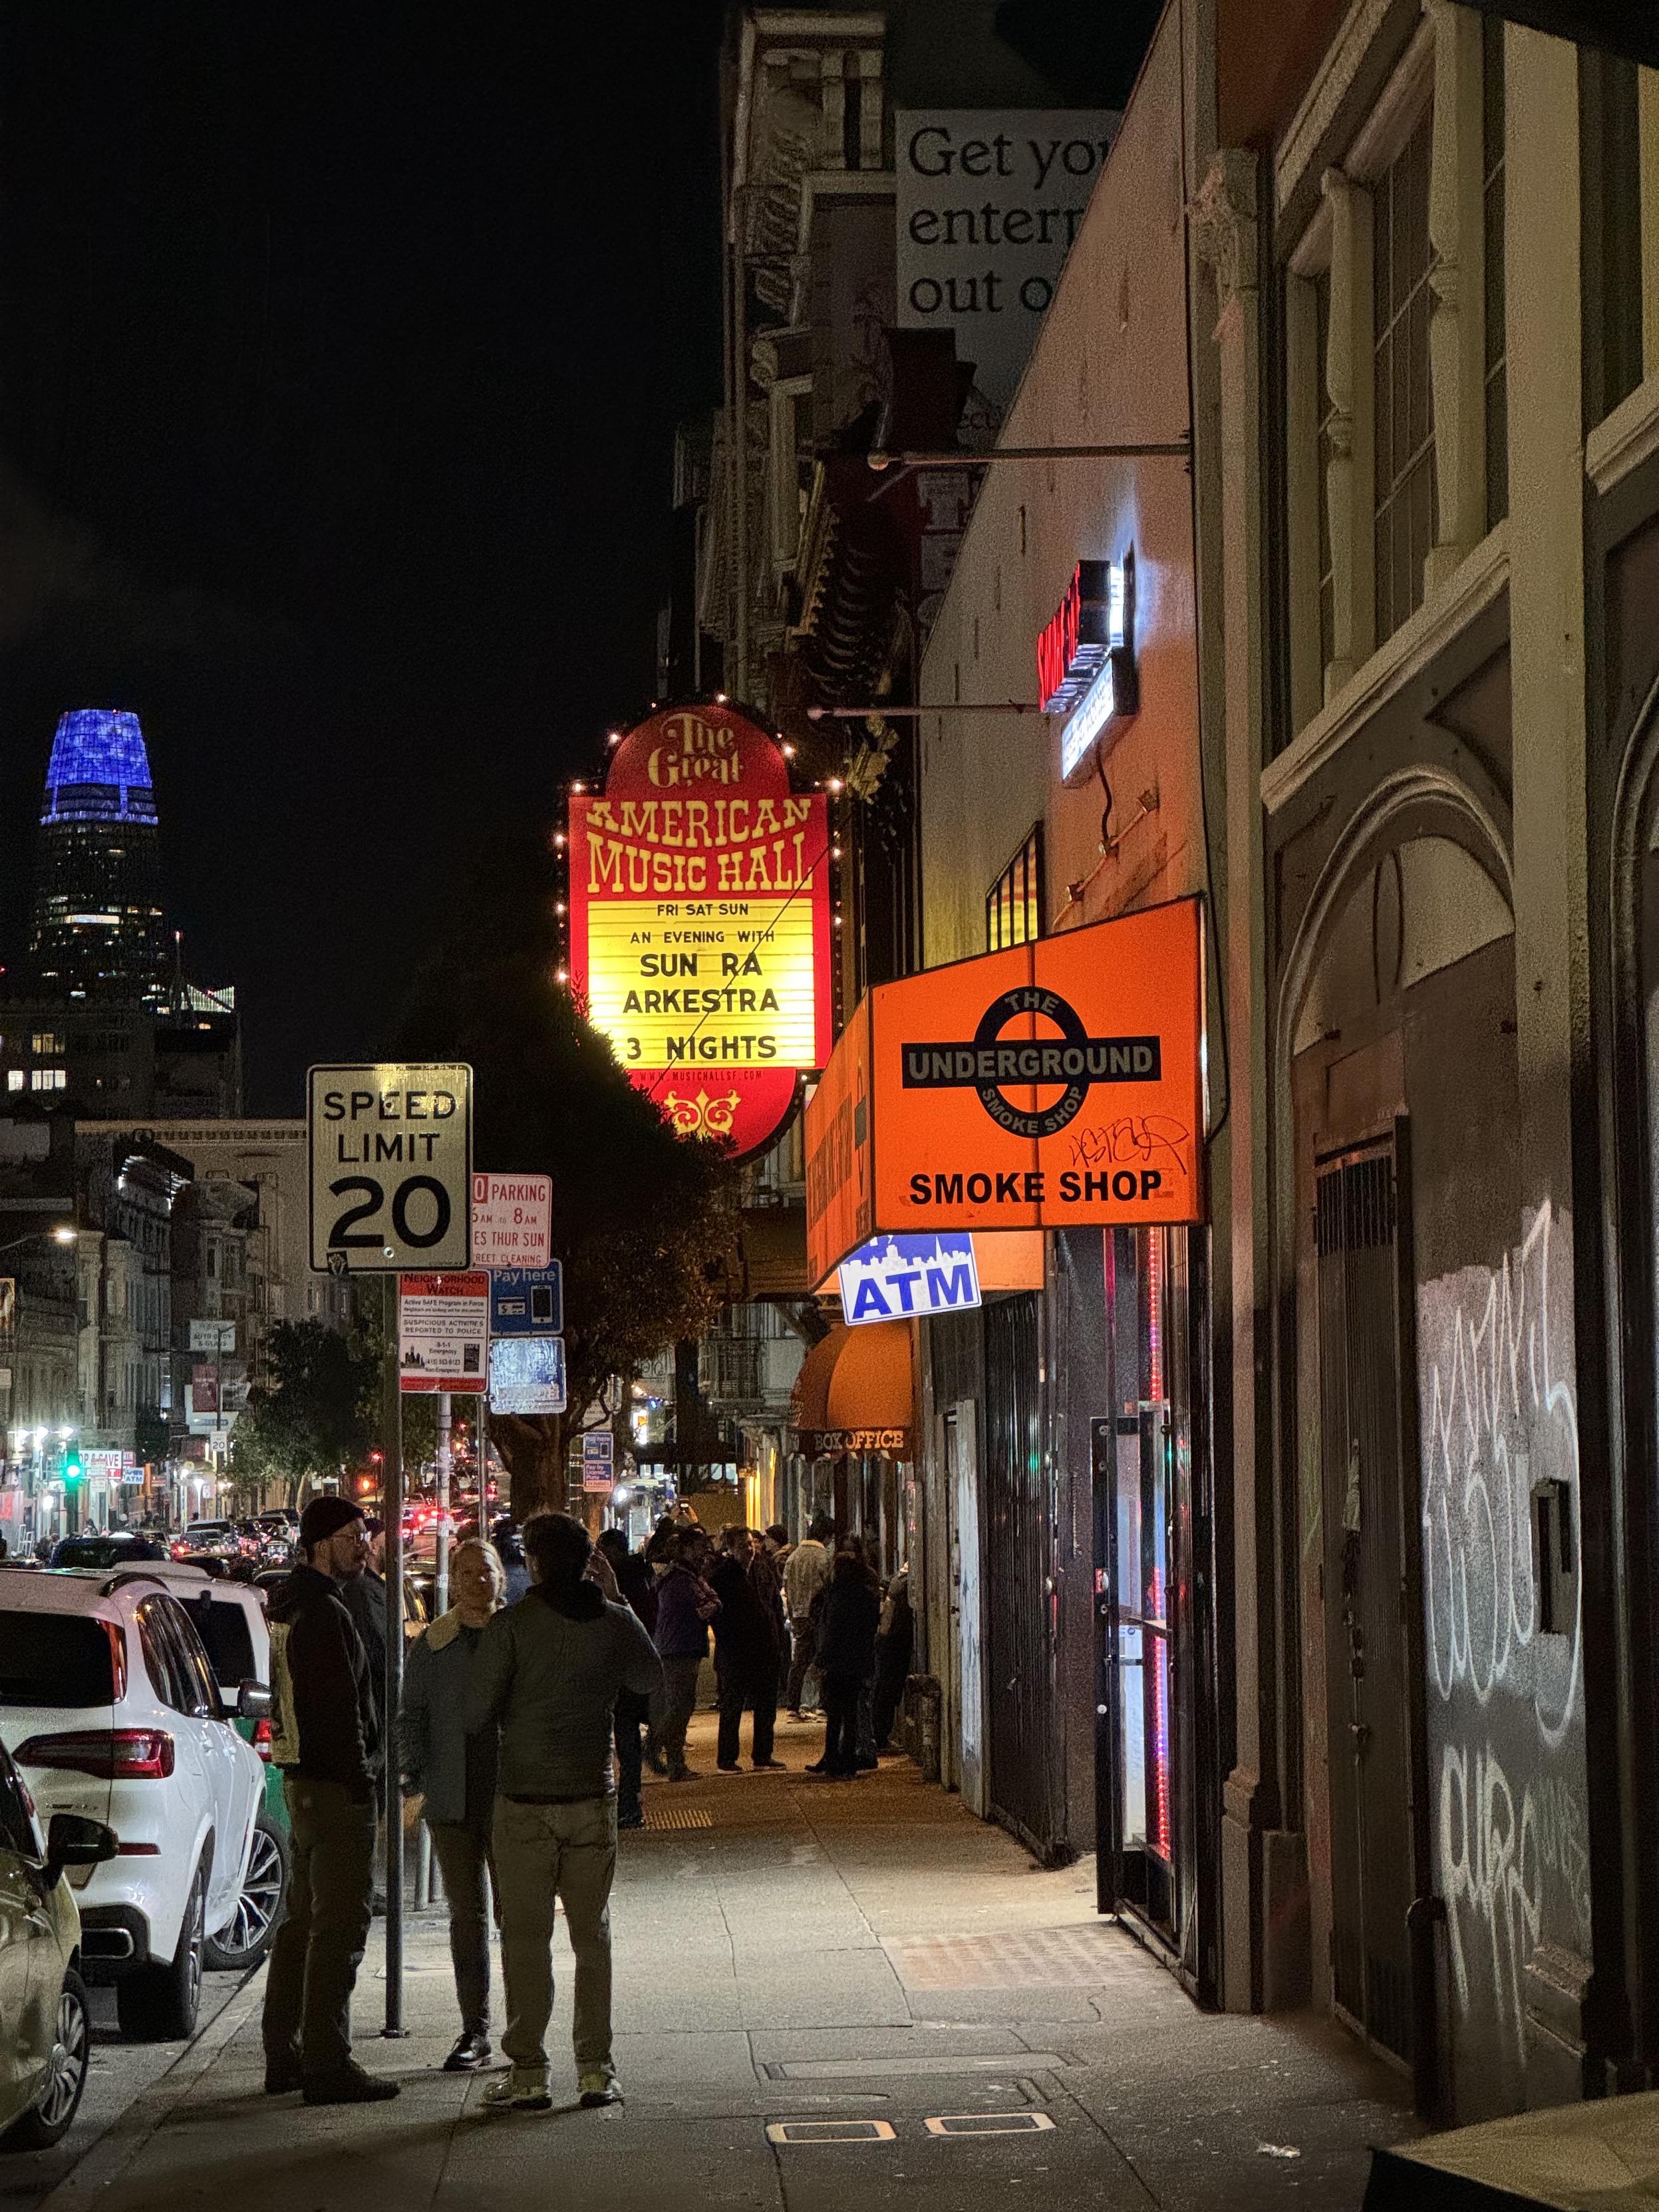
[1137, 1583]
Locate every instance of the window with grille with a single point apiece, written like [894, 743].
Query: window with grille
[1491, 196]
[1013, 905]
[1403, 418]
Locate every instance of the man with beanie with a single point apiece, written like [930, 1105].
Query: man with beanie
[325, 1737]
[550, 1669]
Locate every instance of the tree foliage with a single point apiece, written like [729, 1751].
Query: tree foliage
[313, 1417]
[644, 1221]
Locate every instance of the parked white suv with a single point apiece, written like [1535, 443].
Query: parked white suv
[109, 1706]
[229, 1617]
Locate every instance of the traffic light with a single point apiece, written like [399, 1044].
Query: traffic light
[73, 1469]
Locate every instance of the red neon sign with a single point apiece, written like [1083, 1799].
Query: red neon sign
[1073, 647]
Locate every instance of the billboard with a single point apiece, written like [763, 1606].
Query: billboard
[700, 922]
[1054, 1085]
[987, 203]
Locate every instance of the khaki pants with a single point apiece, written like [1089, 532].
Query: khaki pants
[320, 1946]
[545, 1851]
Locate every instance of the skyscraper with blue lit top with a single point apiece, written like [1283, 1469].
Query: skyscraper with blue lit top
[98, 922]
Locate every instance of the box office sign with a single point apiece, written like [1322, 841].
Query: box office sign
[1055, 1085]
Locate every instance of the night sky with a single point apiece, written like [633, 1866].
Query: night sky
[341, 348]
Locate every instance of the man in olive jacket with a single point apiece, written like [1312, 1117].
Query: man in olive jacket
[325, 1737]
[550, 1669]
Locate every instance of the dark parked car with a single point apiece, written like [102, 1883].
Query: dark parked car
[100, 1547]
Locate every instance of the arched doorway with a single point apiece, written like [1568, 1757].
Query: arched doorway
[1401, 1069]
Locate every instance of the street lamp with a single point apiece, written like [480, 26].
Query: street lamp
[61, 1232]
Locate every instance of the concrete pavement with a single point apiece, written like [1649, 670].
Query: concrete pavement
[825, 1992]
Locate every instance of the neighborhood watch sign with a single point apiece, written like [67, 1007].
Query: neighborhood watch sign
[1052, 1084]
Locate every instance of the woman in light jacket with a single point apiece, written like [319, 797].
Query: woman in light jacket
[455, 1774]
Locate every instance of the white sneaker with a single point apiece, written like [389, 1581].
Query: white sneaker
[516, 2093]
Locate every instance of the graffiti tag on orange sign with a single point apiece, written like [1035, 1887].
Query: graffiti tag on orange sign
[1051, 1085]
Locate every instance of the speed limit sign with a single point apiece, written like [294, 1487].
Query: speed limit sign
[391, 1167]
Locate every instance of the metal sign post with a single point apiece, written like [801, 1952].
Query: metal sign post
[440, 1584]
[392, 1811]
[391, 1156]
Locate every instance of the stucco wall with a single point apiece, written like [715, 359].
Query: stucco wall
[1110, 364]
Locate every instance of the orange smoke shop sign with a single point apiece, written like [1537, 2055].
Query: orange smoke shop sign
[1052, 1084]
[700, 922]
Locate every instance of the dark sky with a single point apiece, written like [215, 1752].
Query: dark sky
[341, 347]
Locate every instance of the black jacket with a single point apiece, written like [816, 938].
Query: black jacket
[364, 1599]
[847, 1629]
[745, 1634]
[325, 1722]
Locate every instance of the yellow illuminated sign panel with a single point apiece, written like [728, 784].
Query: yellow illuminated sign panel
[706, 982]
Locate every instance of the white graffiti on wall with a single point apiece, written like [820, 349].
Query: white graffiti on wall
[1497, 1364]
[1494, 1864]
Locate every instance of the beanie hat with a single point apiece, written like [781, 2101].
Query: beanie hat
[326, 1516]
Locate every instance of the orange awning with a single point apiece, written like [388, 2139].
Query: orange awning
[810, 1406]
[854, 1391]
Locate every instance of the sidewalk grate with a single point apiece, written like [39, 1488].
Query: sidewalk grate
[678, 1816]
[1082, 1957]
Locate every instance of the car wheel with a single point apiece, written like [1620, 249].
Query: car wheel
[159, 2004]
[59, 2098]
[259, 1907]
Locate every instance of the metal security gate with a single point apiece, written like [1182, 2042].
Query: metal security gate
[1373, 1671]
[1017, 1573]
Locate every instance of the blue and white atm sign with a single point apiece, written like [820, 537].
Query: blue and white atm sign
[893, 1277]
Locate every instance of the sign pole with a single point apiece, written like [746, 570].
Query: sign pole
[440, 1588]
[392, 1809]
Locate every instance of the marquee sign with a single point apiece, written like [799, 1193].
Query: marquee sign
[700, 922]
[1054, 1085]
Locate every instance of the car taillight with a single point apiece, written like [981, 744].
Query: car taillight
[106, 1754]
[262, 1738]
[118, 1658]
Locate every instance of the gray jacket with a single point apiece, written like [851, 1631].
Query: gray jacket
[551, 1678]
[432, 1736]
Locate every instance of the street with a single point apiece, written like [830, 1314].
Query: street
[825, 1992]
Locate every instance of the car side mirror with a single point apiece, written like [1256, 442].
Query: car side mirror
[253, 1702]
[72, 1841]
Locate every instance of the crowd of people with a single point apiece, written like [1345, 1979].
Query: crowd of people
[556, 1653]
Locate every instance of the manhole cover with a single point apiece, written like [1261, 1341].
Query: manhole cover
[679, 1816]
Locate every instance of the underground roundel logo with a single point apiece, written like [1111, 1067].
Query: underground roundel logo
[991, 1064]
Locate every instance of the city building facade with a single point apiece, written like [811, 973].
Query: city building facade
[1377, 1440]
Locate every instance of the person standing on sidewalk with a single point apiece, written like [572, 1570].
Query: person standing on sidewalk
[324, 1739]
[805, 1574]
[747, 1635]
[847, 1659]
[638, 1586]
[364, 1595]
[549, 1670]
[895, 1640]
[454, 1773]
[686, 1603]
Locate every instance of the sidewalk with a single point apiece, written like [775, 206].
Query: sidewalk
[801, 1960]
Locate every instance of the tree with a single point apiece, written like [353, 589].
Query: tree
[313, 1417]
[645, 1221]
